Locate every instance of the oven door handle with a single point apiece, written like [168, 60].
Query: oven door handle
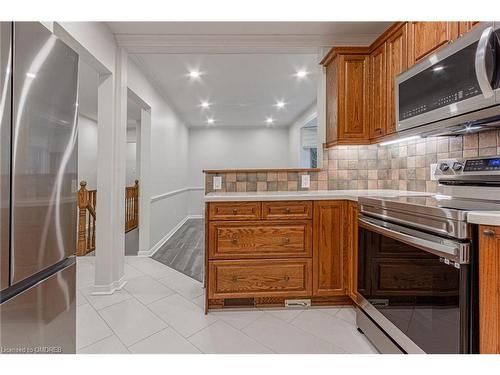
[456, 252]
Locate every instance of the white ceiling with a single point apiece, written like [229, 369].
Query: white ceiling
[250, 28]
[242, 88]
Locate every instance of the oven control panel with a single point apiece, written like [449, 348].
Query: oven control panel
[486, 168]
[482, 165]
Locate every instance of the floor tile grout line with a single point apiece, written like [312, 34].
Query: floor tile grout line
[312, 334]
[98, 341]
[320, 338]
[105, 322]
[133, 297]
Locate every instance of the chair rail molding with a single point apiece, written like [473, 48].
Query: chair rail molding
[168, 194]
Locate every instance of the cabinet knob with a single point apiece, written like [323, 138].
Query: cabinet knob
[286, 278]
[234, 279]
[235, 211]
[489, 233]
[234, 241]
[287, 210]
[286, 240]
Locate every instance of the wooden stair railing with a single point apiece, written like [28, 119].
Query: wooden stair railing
[86, 219]
[87, 215]
[132, 207]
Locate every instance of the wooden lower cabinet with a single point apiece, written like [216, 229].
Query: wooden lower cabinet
[489, 289]
[263, 262]
[330, 262]
[260, 278]
[260, 239]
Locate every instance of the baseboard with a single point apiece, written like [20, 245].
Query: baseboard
[100, 290]
[160, 243]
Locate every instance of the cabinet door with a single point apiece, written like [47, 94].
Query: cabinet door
[489, 289]
[426, 37]
[378, 86]
[329, 255]
[397, 62]
[352, 247]
[332, 101]
[352, 98]
[464, 26]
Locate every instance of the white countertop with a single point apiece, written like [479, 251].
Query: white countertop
[475, 217]
[352, 195]
[484, 217]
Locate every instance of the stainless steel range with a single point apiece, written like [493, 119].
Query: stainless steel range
[417, 262]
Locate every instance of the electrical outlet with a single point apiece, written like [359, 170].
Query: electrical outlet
[217, 182]
[433, 171]
[305, 181]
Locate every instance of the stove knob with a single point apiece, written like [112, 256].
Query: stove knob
[444, 167]
[457, 166]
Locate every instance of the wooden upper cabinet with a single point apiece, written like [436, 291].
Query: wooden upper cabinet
[426, 37]
[378, 87]
[332, 90]
[347, 85]
[353, 95]
[489, 289]
[330, 258]
[397, 62]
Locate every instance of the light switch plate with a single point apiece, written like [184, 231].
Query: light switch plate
[217, 182]
[433, 172]
[305, 181]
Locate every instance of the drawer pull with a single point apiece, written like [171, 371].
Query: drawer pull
[287, 210]
[235, 211]
[286, 278]
[286, 240]
[488, 233]
[234, 241]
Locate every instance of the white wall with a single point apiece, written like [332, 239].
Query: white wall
[169, 158]
[294, 148]
[87, 151]
[130, 171]
[223, 148]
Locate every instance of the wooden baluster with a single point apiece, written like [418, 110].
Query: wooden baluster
[136, 204]
[83, 200]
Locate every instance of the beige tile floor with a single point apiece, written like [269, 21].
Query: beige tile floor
[161, 311]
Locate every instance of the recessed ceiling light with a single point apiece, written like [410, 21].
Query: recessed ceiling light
[194, 74]
[204, 104]
[301, 73]
[210, 121]
[269, 120]
[280, 104]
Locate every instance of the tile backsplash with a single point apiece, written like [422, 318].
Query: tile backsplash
[402, 166]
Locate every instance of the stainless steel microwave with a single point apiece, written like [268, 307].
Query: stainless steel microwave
[454, 90]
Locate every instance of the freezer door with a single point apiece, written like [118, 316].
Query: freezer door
[44, 162]
[5, 124]
[41, 319]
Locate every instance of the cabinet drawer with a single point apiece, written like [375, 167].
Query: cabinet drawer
[260, 239]
[259, 278]
[234, 211]
[291, 210]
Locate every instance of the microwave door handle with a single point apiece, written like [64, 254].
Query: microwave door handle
[480, 63]
[445, 251]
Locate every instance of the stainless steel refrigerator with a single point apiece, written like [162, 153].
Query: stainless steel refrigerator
[38, 112]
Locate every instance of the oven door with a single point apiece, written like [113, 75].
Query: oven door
[415, 286]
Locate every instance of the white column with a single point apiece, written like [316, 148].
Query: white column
[120, 165]
[111, 164]
[104, 278]
[144, 156]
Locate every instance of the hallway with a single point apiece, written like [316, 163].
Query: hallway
[161, 311]
[184, 251]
